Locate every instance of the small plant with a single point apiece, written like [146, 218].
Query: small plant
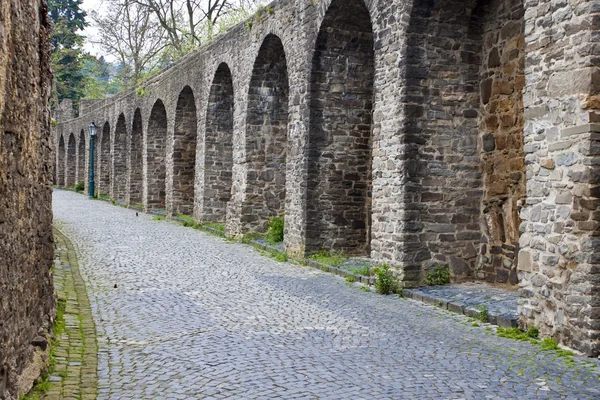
[79, 187]
[280, 256]
[385, 283]
[332, 258]
[549, 344]
[275, 230]
[483, 313]
[269, 10]
[475, 324]
[533, 332]
[350, 279]
[400, 291]
[214, 226]
[365, 288]
[158, 218]
[113, 202]
[365, 270]
[440, 275]
[249, 25]
[141, 91]
[249, 237]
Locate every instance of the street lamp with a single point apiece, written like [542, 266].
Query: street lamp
[92, 185]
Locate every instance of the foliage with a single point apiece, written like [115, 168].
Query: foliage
[280, 256]
[101, 78]
[158, 218]
[215, 226]
[251, 236]
[484, 315]
[440, 275]
[67, 53]
[350, 279]
[275, 230]
[533, 332]
[333, 258]
[364, 270]
[385, 283]
[79, 187]
[130, 32]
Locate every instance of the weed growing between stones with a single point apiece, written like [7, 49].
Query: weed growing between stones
[158, 218]
[332, 258]
[79, 187]
[275, 230]
[365, 270]
[385, 283]
[249, 237]
[58, 328]
[350, 279]
[484, 315]
[440, 275]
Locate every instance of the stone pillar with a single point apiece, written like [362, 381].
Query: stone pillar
[559, 263]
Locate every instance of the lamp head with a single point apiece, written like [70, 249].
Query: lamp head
[93, 129]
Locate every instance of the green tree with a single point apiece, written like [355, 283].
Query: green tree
[67, 54]
[101, 78]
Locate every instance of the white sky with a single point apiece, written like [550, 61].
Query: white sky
[91, 31]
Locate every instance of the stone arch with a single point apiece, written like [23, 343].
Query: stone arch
[81, 157]
[60, 168]
[465, 76]
[104, 161]
[136, 163]
[339, 161]
[218, 153]
[120, 159]
[71, 161]
[184, 153]
[156, 156]
[266, 135]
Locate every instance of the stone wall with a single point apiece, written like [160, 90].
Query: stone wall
[391, 129]
[26, 295]
[559, 260]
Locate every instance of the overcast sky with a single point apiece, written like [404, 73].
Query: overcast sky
[91, 31]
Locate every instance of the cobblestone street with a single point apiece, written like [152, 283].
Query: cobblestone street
[194, 316]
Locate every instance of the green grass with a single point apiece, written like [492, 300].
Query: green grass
[385, 283]
[215, 226]
[364, 270]
[58, 328]
[484, 315]
[186, 218]
[332, 258]
[440, 275]
[350, 279]
[158, 218]
[252, 236]
[275, 230]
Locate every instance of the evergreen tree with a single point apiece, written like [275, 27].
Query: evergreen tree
[67, 42]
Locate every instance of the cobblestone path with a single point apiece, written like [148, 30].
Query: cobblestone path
[196, 317]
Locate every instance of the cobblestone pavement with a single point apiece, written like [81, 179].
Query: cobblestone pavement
[196, 317]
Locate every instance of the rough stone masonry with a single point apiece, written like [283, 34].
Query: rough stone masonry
[417, 132]
[26, 252]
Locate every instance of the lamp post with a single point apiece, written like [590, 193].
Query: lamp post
[92, 187]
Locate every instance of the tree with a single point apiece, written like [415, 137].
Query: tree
[101, 78]
[68, 19]
[191, 23]
[131, 33]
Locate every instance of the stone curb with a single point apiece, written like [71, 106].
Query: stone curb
[315, 264]
[76, 352]
[459, 308]
[456, 307]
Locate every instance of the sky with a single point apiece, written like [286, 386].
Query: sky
[91, 31]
